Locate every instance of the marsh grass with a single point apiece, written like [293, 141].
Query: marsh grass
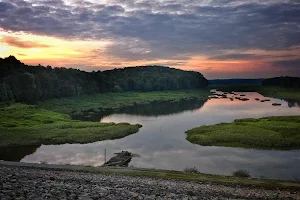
[279, 132]
[29, 125]
[118, 100]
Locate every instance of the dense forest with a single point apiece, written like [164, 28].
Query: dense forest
[23, 83]
[288, 82]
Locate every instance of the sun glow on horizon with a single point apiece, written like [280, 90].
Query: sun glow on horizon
[91, 55]
[29, 47]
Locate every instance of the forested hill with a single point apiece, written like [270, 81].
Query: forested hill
[288, 82]
[149, 78]
[23, 83]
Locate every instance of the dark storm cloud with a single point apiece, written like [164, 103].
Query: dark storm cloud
[20, 2]
[288, 63]
[52, 2]
[247, 56]
[243, 56]
[4, 6]
[291, 67]
[162, 29]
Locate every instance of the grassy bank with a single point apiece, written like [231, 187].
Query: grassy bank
[279, 92]
[282, 132]
[206, 178]
[29, 125]
[118, 100]
[276, 92]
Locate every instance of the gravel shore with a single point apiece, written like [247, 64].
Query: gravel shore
[33, 183]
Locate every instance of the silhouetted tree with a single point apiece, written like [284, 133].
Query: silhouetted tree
[288, 82]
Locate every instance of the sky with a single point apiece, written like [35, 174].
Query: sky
[219, 38]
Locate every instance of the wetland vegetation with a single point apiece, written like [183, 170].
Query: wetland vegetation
[100, 102]
[59, 95]
[279, 132]
[151, 109]
[22, 125]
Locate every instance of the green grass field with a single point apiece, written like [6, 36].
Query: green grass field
[118, 100]
[282, 132]
[29, 125]
[281, 93]
[276, 92]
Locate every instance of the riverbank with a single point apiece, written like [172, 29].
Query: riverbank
[98, 102]
[267, 91]
[280, 132]
[40, 181]
[22, 125]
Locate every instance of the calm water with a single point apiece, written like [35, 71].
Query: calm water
[161, 141]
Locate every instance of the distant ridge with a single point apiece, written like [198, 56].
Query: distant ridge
[22, 83]
[283, 81]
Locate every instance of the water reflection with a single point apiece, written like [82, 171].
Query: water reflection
[16, 153]
[161, 141]
[163, 108]
[152, 109]
[293, 103]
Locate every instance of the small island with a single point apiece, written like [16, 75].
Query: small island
[279, 132]
[22, 125]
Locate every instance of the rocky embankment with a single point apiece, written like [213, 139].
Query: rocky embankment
[44, 183]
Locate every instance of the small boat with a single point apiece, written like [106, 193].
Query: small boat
[121, 159]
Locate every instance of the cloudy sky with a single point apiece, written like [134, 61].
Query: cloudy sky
[219, 38]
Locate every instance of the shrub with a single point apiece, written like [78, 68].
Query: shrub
[191, 170]
[241, 173]
[117, 89]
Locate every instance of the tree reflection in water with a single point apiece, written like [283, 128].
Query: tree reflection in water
[16, 153]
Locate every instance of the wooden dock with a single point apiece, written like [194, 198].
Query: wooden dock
[121, 159]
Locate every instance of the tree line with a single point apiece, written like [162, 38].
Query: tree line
[283, 81]
[23, 83]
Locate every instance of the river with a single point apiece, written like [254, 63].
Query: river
[161, 142]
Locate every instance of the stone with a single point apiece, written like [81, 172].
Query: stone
[36, 183]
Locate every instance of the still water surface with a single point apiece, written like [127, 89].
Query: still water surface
[161, 141]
